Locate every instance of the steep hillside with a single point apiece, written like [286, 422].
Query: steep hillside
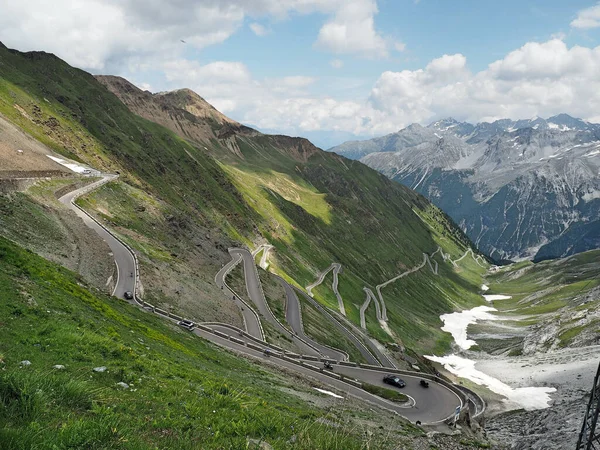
[82, 370]
[515, 187]
[22, 156]
[182, 111]
[321, 208]
[183, 200]
[559, 299]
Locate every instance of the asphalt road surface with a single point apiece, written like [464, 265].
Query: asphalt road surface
[257, 296]
[251, 320]
[126, 269]
[293, 316]
[431, 405]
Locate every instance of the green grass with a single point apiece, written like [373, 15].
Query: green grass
[274, 294]
[314, 207]
[548, 292]
[236, 281]
[388, 394]
[184, 393]
[322, 330]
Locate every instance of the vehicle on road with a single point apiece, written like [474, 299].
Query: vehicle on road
[394, 381]
[327, 365]
[128, 295]
[187, 324]
[267, 352]
[424, 383]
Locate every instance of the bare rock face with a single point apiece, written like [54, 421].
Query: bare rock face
[190, 116]
[183, 111]
[556, 428]
[519, 189]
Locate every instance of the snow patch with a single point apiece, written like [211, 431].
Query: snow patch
[70, 165]
[457, 323]
[589, 196]
[485, 287]
[492, 297]
[528, 398]
[323, 391]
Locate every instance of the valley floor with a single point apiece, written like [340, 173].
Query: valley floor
[571, 372]
[532, 350]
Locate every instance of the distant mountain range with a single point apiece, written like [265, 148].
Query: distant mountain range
[518, 188]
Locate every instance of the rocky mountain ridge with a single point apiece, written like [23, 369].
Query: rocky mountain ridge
[519, 188]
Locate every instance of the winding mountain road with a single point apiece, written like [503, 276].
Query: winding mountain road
[293, 316]
[256, 294]
[251, 319]
[336, 267]
[124, 260]
[265, 249]
[431, 405]
[365, 305]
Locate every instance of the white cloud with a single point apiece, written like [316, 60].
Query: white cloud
[283, 103]
[98, 34]
[336, 63]
[352, 30]
[588, 18]
[537, 79]
[138, 35]
[297, 81]
[107, 35]
[258, 29]
[399, 46]
[145, 86]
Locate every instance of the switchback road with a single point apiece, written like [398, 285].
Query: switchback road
[431, 405]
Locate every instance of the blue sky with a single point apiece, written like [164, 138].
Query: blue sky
[482, 30]
[334, 69]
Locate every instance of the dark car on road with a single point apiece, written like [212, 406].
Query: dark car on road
[128, 295]
[187, 324]
[394, 381]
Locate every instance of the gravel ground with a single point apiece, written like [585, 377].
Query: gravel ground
[41, 224]
[570, 371]
[30, 159]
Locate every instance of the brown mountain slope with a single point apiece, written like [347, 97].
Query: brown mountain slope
[21, 156]
[182, 111]
[193, 118]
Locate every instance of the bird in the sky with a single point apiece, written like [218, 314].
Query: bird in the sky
[182, 41]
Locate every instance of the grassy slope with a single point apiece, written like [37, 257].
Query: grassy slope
[183, 392]
[561, 292]
[36, 220]
[328, 209]
[314, 207]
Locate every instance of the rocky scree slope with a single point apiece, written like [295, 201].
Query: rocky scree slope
[183, 199]
[519, 189]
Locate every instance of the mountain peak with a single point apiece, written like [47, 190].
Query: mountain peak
[193, 103]
[444, 121]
